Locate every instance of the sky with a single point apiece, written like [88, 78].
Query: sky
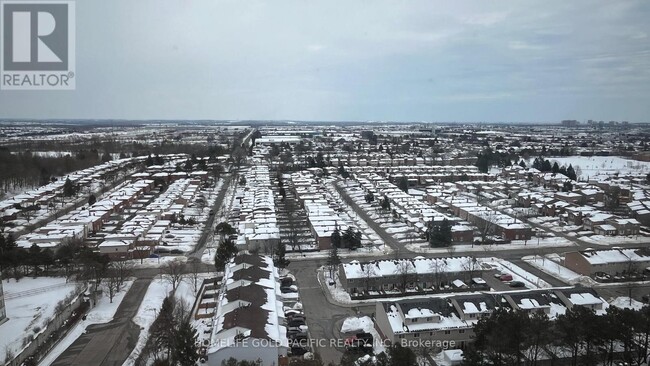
[353, 60]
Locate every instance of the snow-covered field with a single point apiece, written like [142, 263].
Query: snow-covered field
[554, 268]
[103, 312]
[591, 166]
[30, 305]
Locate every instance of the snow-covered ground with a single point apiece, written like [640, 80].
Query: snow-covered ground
[615, 240]
[30, 304]
[554, 268]
[549, 242]
[591, 166]
[364, 324]
[518, 274]
[625, 302]
[103, 312]
[156, 262]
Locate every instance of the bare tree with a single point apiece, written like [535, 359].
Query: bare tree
[173, 272]
[194, 276]
[368, 272]
[124, 270]
[469, 265]
[578, 171]
[438, 268]
[112, 283]
[405, 272]
[485, 224]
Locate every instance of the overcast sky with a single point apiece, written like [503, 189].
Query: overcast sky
[354, 60]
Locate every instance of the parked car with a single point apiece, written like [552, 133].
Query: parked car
[296, 322]
[517, 284]
[286, 281]
[506, 277]
[296, 316]
[286, 289]
[292, 312]
[298, 351]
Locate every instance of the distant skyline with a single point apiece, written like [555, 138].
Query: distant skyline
[380, 60]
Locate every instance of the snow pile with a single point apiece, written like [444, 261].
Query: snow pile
[351, 325]
[364, 324]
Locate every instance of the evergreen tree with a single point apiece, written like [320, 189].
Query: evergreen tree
[92, 199]
[336, 238]
[401, 356]
[226, 251]
[333, 260]
[439, 234]
[483, 163]
[571, 173]
[163, 328]
[186, 352]
[68, 188]
[556, 168]
[385, 204]
[522, 164]
[404, 184]
[279, 259]
[546, 166]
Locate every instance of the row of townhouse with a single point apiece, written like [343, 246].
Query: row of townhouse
[639, 208]
[611, 262]
[78, 224]
[138, 236]
[588, 217]
[417, 274]
[492, 221]
[258, 228]
[419, 175]
[413, 211]
[11, 208]
[249, 322]
[420, 322]
[320, 208]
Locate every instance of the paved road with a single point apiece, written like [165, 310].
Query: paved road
[111, 343]
[324, 319]
[197, 252]
[387, 238]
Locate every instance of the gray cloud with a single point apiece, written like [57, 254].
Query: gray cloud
[354, 60]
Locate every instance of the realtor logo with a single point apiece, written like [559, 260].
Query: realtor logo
[38, 45]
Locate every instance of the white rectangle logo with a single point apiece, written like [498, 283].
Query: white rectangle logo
[38, 45]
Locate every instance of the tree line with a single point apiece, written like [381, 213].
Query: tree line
[509, 338]
[26, 170]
